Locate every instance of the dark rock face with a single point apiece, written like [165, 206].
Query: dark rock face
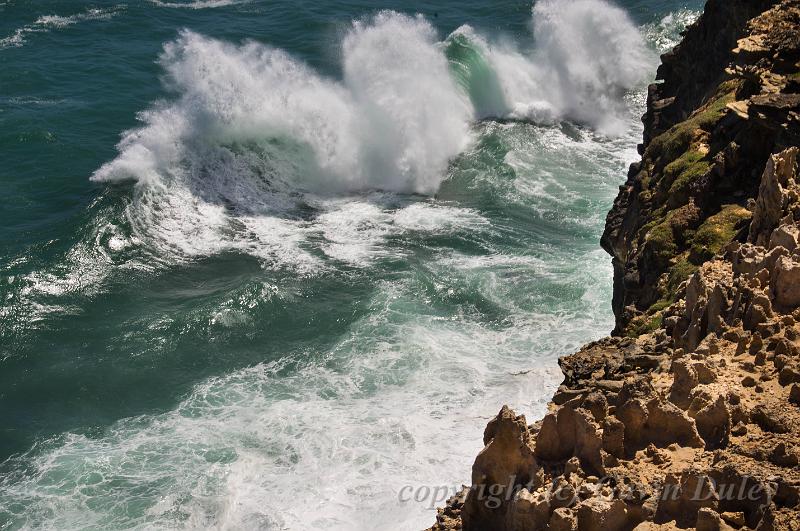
[727, 101]
[689, 416]
[689, 78]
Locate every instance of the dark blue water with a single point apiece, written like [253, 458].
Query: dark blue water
[333, 242]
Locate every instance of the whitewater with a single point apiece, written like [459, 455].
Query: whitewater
[298, 292]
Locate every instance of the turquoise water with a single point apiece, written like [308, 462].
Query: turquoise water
[264, 264]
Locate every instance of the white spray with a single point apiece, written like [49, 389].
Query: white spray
[393, 123]
[253, 130]
[587, 54]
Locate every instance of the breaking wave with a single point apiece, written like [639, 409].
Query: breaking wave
[392, 128]
[401, 111]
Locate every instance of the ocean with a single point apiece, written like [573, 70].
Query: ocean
[274, 265]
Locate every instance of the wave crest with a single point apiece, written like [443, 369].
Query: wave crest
[401, 111]
[392, 123]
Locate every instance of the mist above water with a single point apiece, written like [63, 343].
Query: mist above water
[402, 110]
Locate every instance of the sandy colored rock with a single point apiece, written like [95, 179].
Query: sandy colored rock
[786, 284]
[597, 514]
[563, 519]
[507, 458]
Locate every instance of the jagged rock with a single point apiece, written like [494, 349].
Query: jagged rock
[682, 497]
[786, 236]
[652, 526]
[597, 404]
[656, 421]
[786, 283]
[594, 362]
[778, 174]
[769, 419]
[783, 456]
[570, 432]
[794, 394]
[658, 457]
[710, 520]
[527, 512]
[507, 458]
[708, 292]
[734, 518]
[563, 493]
[788, 375]
[588, 442]
[714, 424]
[704, 373]
[686, 379]
[596, 514]
[614, 437]
[563, 519]
[548, 446]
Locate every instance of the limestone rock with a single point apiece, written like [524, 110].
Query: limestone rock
[714, 424]
[786, 282]
[709, 520]
[596, 514]
[693, 385]
[507, 458]
[563, 519]
[686, 379]
[769, 419]
[527, 512]
[683, 496]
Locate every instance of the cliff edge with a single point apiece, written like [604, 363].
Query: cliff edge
[688, 416]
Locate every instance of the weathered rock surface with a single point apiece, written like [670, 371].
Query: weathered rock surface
[728, 101]
[689, 416]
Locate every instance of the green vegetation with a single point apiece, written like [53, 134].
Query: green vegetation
[709, 239]
[670, 144]
[666, 237]
[683, 171]
[679, 272]
[675, 242]
[644, 324]
[662, 240]
[716, 232]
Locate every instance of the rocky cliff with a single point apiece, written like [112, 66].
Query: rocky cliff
[689, 415]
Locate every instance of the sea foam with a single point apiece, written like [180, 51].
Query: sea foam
[393, 121]
[400, 112]
[47, 22]
[586, 55]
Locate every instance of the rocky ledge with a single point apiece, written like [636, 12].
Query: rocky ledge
[689, 415]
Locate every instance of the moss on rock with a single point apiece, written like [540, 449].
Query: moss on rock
[717, 231]
[674, 142]
[683, 171]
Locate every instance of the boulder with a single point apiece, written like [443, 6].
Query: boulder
[563, 519]
[527, 512]
[597, 514]
[786, 283]
[714, 424]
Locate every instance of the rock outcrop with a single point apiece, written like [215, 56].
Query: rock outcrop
[689, 415]
[727, 102]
